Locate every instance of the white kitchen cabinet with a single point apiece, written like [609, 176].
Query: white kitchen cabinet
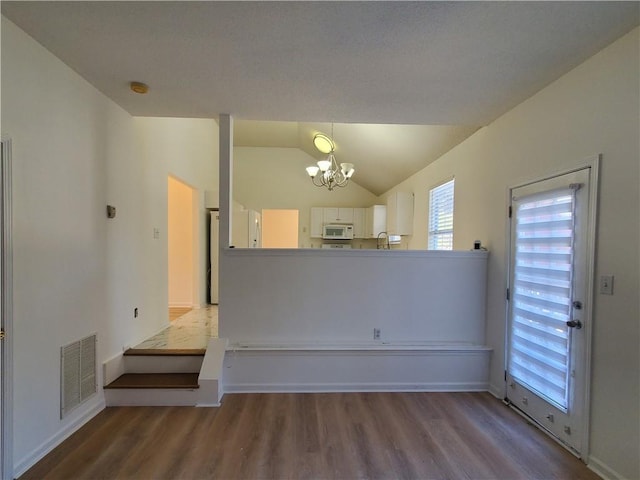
[375, 220]
[359, 224]
[338, 215]
[400, 213]
[315, 230]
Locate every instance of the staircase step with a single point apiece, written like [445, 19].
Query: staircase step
[156, 380]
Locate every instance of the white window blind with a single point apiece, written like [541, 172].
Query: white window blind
[441, 217]
[542, 293]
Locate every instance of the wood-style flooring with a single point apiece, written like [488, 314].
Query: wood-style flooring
[319, 436]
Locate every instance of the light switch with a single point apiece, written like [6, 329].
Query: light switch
[606, 284]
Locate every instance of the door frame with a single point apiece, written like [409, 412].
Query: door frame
[593, 163]
[6, 389]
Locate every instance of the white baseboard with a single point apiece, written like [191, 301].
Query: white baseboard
[603, 469]
[65, 432]
[497, 391]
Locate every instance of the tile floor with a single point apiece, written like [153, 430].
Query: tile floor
[190, 331]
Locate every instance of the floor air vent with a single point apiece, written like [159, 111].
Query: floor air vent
[77, 373]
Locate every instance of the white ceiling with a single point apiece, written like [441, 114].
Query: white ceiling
[443, 64]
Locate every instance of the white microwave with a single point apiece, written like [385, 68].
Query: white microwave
[337, 232]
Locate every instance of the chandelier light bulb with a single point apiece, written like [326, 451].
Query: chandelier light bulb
[312, 171]
[324, 165]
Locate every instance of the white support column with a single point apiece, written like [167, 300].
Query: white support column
[225, 122]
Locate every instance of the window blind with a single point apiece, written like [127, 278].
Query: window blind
[441, 217]
[542, 293]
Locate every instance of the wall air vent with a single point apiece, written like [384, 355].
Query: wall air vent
[77, 373]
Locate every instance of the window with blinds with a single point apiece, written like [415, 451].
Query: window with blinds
[441, 217]
[542, 293]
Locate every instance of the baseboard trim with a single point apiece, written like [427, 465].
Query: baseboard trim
[52, 442]
[497, 391]
[602, 469]
[355, 387]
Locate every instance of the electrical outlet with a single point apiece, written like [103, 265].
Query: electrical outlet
[376, 334]
[606, 284]
[135, 312]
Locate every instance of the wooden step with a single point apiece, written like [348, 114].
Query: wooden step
[156, 380]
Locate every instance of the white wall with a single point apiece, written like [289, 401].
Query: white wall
[186, 148]
[332, 297]
[593, 109]
[75, 271]
[276, 178]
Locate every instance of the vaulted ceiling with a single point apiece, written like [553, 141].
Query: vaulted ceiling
[425, 74]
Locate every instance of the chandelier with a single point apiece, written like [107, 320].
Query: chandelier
[330, 175]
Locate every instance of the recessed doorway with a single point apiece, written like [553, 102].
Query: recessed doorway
[182, 244]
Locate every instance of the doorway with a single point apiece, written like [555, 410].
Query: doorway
[551, 263]
[182, 240]
[279, 228]
[6, 314]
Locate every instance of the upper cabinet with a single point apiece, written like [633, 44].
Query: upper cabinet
[315, 230]
[367, 222]
[359, 226]
[375, 221]
[400, 213]
[338, 215]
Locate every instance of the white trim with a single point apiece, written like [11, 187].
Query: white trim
[592, 235]
[441, 182]
[602, 469]
[497, 391]
[184, 305]
[337, 252]
[356, 387]
[48, 445]
[6, 236]
[395, 348]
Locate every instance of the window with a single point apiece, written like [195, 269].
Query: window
[441, 217]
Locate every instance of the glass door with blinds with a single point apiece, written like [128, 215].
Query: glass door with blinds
[546, 362]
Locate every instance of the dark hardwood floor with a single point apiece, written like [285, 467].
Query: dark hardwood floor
[333, 435]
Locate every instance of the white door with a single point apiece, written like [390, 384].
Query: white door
[549, 303]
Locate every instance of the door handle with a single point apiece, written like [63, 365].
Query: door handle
[577, 324]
